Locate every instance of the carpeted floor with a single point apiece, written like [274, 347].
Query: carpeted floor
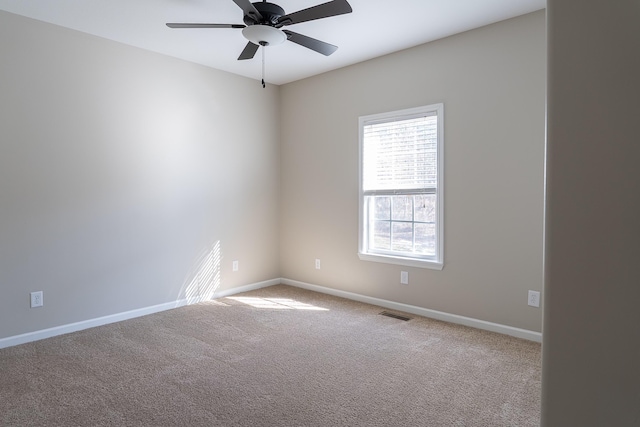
[278, 356]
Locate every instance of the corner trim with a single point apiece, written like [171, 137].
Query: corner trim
[118, 317]
[425, 312]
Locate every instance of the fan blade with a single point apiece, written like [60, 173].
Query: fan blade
[181, 25]
[249, 51]
[249, 10]
[325, 10]
[311, 43]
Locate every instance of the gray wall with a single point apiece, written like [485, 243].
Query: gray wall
[492, 83]
[591, 351]
[127, 179]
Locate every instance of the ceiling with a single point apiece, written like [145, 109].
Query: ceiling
[375, 28]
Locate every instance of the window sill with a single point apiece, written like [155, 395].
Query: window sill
[410, 262]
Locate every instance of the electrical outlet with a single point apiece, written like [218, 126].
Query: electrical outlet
[235, 266]
[317, 264]
[37, 299]
[404, 277]
[534, 299]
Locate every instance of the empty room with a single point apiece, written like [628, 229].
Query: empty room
[314, 214]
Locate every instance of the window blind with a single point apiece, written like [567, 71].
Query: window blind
[400, 155]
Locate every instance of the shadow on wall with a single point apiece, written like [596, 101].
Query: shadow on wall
[204, 277]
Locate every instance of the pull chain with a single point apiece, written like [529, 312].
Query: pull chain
[263, 83]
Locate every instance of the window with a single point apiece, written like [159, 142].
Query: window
[401, 160]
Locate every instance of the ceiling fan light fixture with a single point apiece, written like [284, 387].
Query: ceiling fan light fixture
[264, 35]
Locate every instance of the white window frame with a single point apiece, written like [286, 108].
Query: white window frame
[436, 262]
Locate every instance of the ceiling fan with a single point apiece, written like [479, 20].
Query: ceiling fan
[263, 22]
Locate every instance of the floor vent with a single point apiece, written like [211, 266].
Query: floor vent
[395, 316]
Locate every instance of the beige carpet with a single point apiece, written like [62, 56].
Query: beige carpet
[278, 356]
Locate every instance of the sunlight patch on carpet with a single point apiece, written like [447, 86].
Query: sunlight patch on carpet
[277, 303]
[214, 302]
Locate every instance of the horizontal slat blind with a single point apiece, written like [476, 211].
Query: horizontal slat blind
[400, 155]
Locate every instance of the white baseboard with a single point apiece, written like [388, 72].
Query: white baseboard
[247, 288]
[118, 317]
[425, 312]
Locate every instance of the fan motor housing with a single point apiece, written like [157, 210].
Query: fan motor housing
[269, 11]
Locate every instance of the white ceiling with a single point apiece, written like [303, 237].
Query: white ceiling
[375, 28]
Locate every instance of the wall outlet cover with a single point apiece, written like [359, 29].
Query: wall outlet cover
[404, 277]
[37, 299]
[534, 299]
